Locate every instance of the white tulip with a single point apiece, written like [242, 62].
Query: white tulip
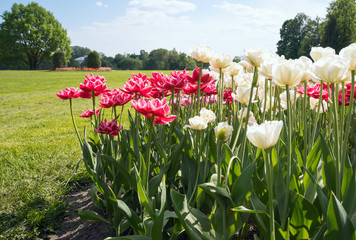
[234, 69]
[317, 53]
[202, 53]
[331, 69]
[208, 115]
[314, 104]
[251, 119]
[246, 65]
[265, 135]
[350, 52]
[256, 55]
[287, 73]
[307, 65]
[197, 123]
[243, 94]
[220, 61]
[223, 131]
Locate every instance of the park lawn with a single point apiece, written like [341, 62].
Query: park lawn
[39, 149]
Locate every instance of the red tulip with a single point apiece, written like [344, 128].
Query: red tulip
[137, 84]
[347, 95]
[89, 113]
[68, 93]
[154, 108]
[117, 99]
[110, 128]
[94, 84]
[314, 91]
[205, 78]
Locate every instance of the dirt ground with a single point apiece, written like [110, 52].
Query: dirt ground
[75, 229]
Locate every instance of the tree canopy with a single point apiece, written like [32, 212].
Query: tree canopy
[337, 30]
[32, 34]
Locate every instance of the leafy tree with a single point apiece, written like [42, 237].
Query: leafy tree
[292, 33]
[59, 59]
[339, 29]
[78, 51]
[94, 60]
[158, 59]
[311, 37]
[173, 60]
[32, 34]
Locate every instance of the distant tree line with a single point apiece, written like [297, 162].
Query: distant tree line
[160, 59]
[337, 30]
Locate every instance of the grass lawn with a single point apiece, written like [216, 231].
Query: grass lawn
[39, 148]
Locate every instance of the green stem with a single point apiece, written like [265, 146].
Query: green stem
[220, 145]
[95, 117]
[244, 140]
[221, 95]
[197, 158]
[305, 125]
[199, 85]
[289, 158]
[73, 121]
[269, 178]
[336, 140]
[148, 151]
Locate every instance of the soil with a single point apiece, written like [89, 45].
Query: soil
[73, 228]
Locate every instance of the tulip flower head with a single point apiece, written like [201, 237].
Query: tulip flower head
[88, 113]
[110, 128]
[96, 84]
[68, 93]
[154, 108]
[137, 84]
[287, 73]
[197, 123]
[220, 61]
[265, 135]
[350, 52]
[332, 69]
[202, 53]
[223, 131]
[208, 115]
[243, 94]
[317, 53]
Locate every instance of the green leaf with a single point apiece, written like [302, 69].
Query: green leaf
[246, 210]
[196, 223]
[243, 184]
[339, 224]
[157, 228]
[329, 168]
[349, 200]
[304, 217]
[132, 217]
[91, 216]
[143, 196]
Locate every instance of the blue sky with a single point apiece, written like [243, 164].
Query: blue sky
[127, 26]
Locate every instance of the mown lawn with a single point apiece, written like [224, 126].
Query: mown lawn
[39, 149]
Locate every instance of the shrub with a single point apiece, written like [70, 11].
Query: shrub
[94, 60]
[59, 59]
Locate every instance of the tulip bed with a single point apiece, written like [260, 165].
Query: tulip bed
[266, 142]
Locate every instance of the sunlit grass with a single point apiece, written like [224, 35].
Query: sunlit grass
[39, 148]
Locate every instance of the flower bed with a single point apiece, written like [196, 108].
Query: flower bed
[84, 69]
[266, 138]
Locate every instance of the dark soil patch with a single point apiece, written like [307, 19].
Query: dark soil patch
[73, 228]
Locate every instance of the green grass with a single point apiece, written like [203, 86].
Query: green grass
[39, 148]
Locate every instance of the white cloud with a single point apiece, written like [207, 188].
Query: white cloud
[100, 4]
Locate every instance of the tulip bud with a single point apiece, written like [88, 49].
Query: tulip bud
[223, 131]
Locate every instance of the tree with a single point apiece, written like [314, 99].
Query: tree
[339, 29]
[94, 60]
[292, 33]
[78, 51]
[59, 59]
[32, 34]
[158, 59]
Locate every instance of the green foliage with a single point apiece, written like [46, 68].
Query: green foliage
[59, 59]
[298, 35]
[94, 60]
[339, 29]
[31, 34]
